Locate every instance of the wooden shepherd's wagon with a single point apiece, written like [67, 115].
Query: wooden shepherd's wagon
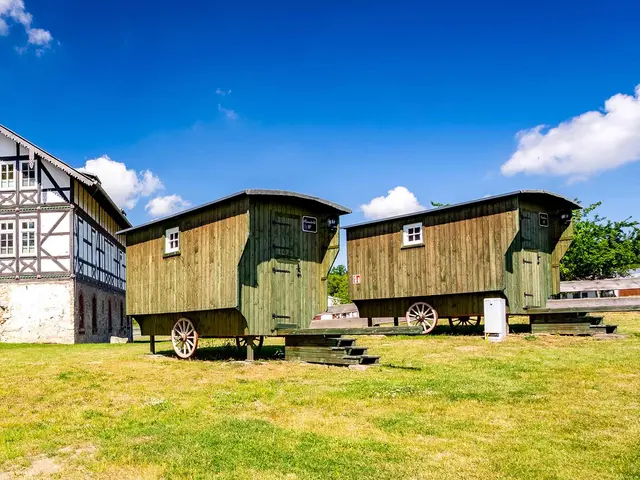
[246, 266]
[443, 262]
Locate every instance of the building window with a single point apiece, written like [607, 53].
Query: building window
[7, 176]
[544, 219]
[172, 240]
[412, 234]
[28, 235]
[28, 174]
[109, 317]
[6, 238]
[81, 313]
[94, 315]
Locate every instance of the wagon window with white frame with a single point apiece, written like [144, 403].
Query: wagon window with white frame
[7, 232]
[28, 174]
[172, 240]
[7, 176]
[412, 234]
[28, 236]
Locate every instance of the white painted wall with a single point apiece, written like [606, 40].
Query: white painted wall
[62, 179]
[37, 312]
[56, 245]
[7, 147]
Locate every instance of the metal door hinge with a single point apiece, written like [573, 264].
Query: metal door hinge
[278, 270]
[274, 316]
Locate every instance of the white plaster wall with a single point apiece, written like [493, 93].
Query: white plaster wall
[39, 312]
[7, 147]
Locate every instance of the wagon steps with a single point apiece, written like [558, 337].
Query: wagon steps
[328, 350]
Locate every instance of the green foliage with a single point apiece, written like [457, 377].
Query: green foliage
[601, 248]
[338, 284]
[438, 204]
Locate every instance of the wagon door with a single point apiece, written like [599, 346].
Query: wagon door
[286, 284]
[534, 236]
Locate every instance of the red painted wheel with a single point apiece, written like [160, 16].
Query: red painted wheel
[424, 315]
[254, 342]
[464, 322]
[184, 338]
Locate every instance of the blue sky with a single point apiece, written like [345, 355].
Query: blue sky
[345, 100]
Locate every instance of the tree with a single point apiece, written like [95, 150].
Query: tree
[338, 284]
[601, 248]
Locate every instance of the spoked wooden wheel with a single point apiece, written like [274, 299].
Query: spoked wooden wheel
[465, 321]
[254, 342]
[424, 315]
[184, 338]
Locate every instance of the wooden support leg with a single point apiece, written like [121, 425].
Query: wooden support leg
[249, 351]
[395, 321]
[152, 344]
[369, 322]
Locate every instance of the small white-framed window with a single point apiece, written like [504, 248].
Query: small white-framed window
[28, 237]
[7, 175]
[412, 234]
[544, 219]
[172, 240]
[28, 174]
[7, 236]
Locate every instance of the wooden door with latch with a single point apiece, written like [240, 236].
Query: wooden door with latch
[286, 285]
[532, 276]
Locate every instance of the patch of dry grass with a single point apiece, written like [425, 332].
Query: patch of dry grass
[439, 407]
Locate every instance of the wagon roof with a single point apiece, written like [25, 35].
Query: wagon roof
[251, 192]
[84, 178]
[559, 199]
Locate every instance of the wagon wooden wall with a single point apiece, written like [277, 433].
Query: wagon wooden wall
[283, 271]
[205, 274]
[487, 248]
[464, 251]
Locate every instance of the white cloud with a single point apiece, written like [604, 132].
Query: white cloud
[161, 206]
[585, 145]
[124, 185]
[230, 114]
[15, 11]
[398, 202]
[38, 36]
[222, 93]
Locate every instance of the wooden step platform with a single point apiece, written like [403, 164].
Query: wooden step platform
[560, 323]
[327, 350]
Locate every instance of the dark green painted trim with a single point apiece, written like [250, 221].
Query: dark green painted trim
[407, 247]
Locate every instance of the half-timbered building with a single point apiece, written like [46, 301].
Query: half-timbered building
[62, 264]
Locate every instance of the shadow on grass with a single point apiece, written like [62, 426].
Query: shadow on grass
[224, 352]
[475, 330]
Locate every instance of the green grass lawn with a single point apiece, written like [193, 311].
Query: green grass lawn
[440, 407]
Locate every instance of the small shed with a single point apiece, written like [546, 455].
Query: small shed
[445, 261]
[242, 266]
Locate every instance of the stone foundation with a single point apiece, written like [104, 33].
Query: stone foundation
[100, 331]
[37, 312]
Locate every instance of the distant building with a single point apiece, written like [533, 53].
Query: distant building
[628, 286]
[62, 265]
[336, 310]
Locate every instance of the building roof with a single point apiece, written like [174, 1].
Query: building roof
[251, 192]
[530, 193]
[89, 180]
